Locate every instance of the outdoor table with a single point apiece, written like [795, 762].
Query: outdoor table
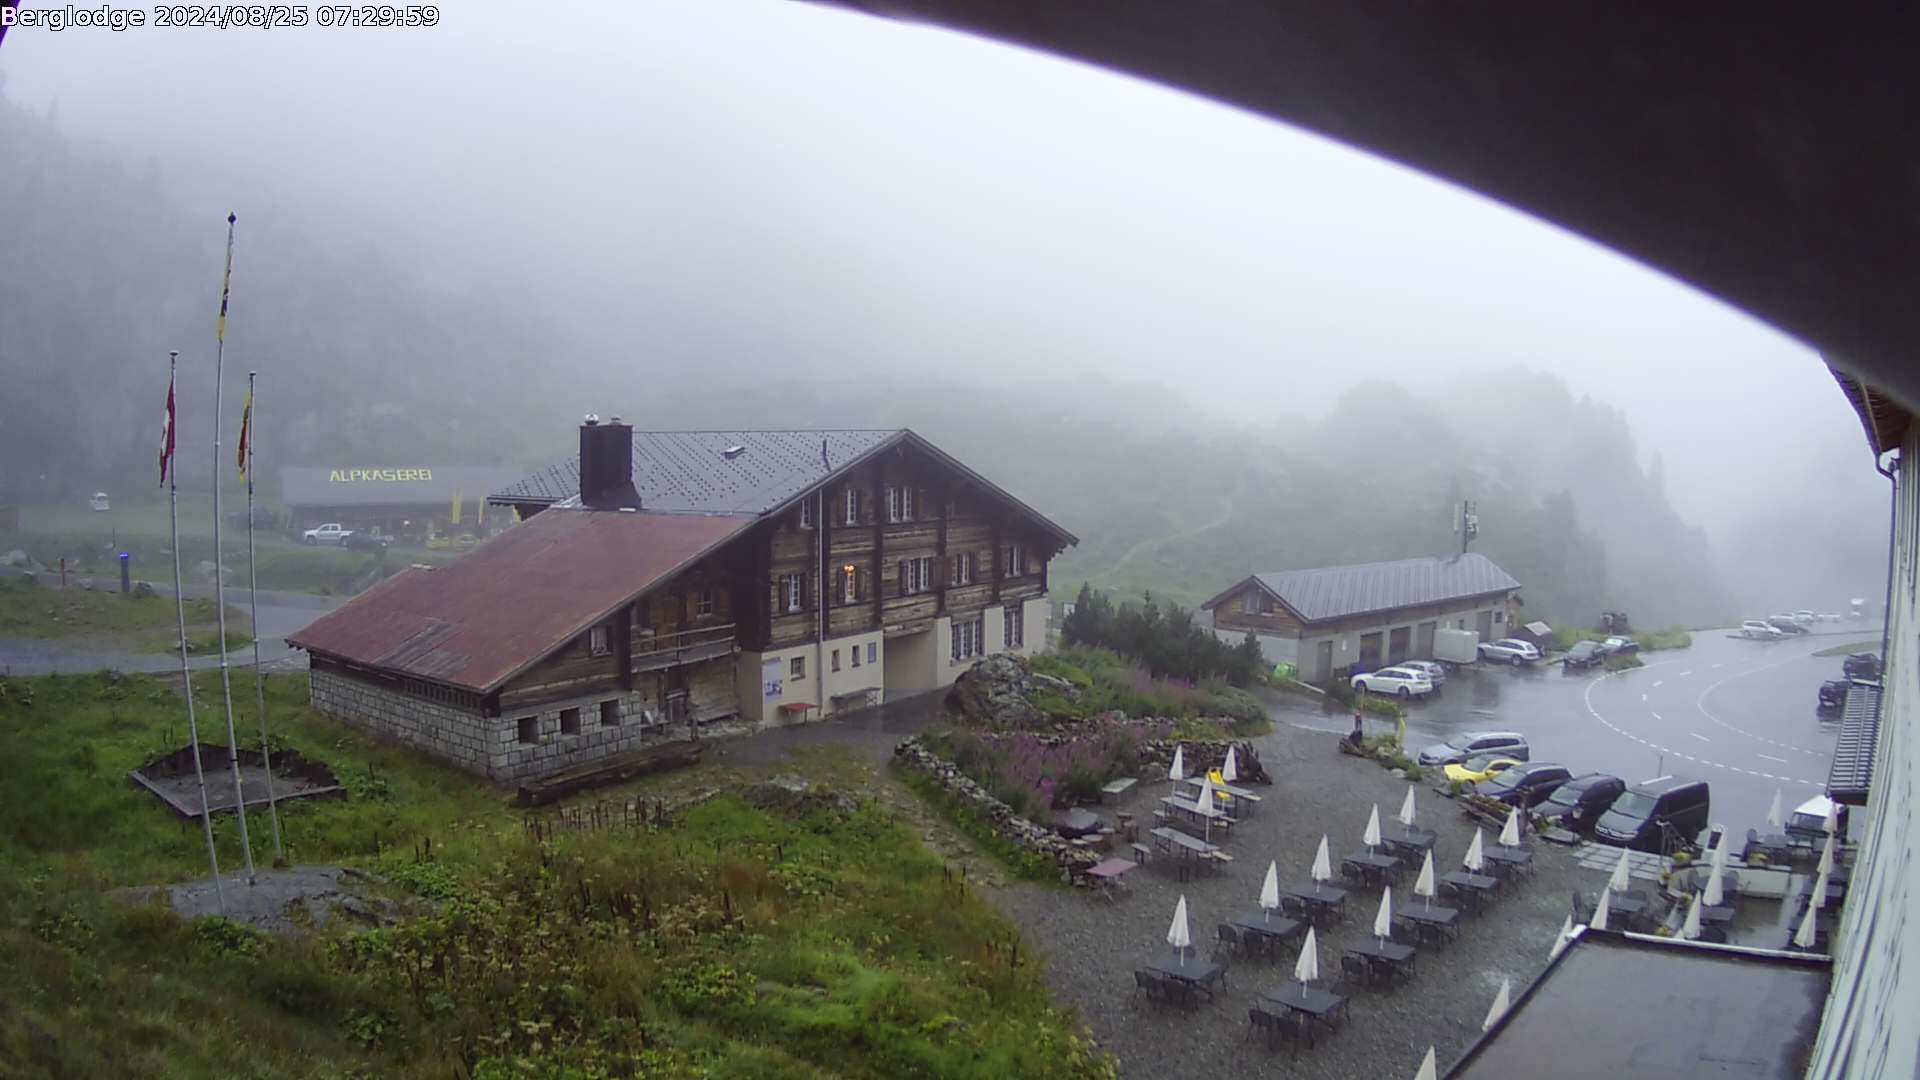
[1397, 956]
[1435, 921]
[1273, 929]
[1778, 847]
[1189, 814]
[1410, 840]
[1512, 860]
[1240, 794]
[1320, 899]
[1719, 915]
[1309, 1001]
[1195, 971]
[1107, 874]
[1191, 847]
[1372, 867]
[1472, 888]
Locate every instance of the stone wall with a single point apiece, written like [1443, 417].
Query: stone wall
[490, 746]
[1073, 862]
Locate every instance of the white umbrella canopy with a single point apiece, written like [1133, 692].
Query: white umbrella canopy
[1178, 771]
[1230, 771]
[1819, 892]
[1621, 880]
[1383, 919]
[1560, 940]
[1205, 803]
[1372, 835]
[1178, 934]
[1307, 967]
[1716, 877]
[1501, 1000]
[1826, 856]
[1599, 920]
[1423, 885]
[1805, 936]
[1476, 859]
[1690, 929]
[1428, 1070]
[1833, 815]
[1776, 814]
[1322, 862]
[1406, 808]
[1510, 832]
[1270, 889]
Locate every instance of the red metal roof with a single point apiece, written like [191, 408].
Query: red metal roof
[483, 618]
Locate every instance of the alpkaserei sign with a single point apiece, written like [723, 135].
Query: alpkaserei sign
[351, 476]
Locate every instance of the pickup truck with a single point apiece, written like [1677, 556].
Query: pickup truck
[330, 533]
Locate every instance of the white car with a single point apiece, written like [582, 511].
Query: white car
[1510, 650]
[1403, 681]
[330, 533]
[1436, 671]
[1805, 617]
[1761, 630]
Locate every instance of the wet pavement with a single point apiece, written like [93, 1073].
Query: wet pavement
[1739, 714]
[280, 614]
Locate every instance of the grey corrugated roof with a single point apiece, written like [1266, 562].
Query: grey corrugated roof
[688, 472]
[339, 485]
[1334, 592]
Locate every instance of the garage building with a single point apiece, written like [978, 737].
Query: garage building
[1339, 620]
[398, 500]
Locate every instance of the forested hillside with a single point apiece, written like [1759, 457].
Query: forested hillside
[374, 354]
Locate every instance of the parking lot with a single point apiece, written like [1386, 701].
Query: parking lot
[1739, 714]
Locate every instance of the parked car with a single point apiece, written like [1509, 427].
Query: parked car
[330, 533]
[1436, 671]
[1760, 630]
[1786, 624]
[1403, 681]
[359, 541]
[1809, 819]
[1468, 743]
[100, 501]
[1578, 803]
[1526, 785]
[1620, 646]
[1584, 654]
[1475, 769]
[1655, 815]
[1510, 650]
[1805, 617]
[1833, 694]
[1862, 665]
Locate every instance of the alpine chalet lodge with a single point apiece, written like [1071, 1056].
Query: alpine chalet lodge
[671, 580]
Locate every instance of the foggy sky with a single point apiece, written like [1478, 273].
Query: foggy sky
[762, 188]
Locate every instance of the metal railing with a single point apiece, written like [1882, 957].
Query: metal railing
[654, 650]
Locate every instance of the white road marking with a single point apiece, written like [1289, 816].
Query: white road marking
[1716, 667]
[1701, 704]
[1587, 698]
[1684, 674]
[1657, 683]
[1643, 697]
[1770, 757]
[1657, 716]
[1699, 736]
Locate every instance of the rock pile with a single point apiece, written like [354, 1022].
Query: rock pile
[1073, 862]
[998, 692]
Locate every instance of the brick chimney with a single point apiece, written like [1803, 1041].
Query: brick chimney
[606, 465]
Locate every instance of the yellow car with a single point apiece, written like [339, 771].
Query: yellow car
[1476, 769]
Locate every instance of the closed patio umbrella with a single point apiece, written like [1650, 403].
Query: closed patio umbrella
[1406, 808]
[1808, 932]
[1205, 803]
[1476, 859]
[1510, 832]
[1178, 934]
[1501, 1000]
[1715, 893]
[1322, 862]
[1690, 929]
[1599, 920]
[1372, 835]
[1307, 967]
[1230, 771]
[1383, 918]
[1423, 885]
[1428, 1070]
[1826, 856]
[1178, 770]
[1560, 940]
[1621, 880]
[1270, 890]
[1833, 815]
[1776, 814]
[1819, 899]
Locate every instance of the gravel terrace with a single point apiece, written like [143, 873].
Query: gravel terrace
[1091, 947]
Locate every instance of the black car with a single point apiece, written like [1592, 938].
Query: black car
[1584, 654]
[1833, 694]
[360, 541]
[1524, 785]
[1862, 665]
[1656, 815]
[1578, 803]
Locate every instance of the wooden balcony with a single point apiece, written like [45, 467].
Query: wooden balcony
[655, 652]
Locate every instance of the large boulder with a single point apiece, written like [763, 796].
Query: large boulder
[997, 692]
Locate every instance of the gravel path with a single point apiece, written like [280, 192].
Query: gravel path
[1091, 948]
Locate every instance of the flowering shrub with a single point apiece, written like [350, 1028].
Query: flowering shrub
[1035, 778]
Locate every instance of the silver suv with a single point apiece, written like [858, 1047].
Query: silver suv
[1471, 743]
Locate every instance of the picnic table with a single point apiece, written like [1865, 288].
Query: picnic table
[1315, 1004]
[1320, 899]
[1190, 848]
[1240, 795]
[1428, 921]
[1511, 860]
[1397, 958]
[1108, 875]
[1272, 929]
[1472, 889]
[1188, 813]
[1188, 967]
[1410, 841]
[1370, 867]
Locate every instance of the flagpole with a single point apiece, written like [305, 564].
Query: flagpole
[219, 575]
[247, 441]
[180, 611]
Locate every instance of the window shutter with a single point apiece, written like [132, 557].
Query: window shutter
[903, 577]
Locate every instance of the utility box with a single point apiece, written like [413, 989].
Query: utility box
[1456, 646]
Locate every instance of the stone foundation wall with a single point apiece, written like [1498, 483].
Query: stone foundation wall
[446, 731]
[1073, 862]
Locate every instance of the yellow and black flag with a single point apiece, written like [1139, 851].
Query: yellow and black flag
[226, 281]
[246, 427]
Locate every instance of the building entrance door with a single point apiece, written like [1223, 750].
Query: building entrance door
[1486, 626]
[1423, 640]
[1369, 653]
[1398, 641]
[1322, 663]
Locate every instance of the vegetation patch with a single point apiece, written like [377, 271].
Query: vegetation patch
[1021, 861]
[1167, 643]
[1107, 681]
[736, 942]
[127, 620]
[1851, 647]
[1623, 661]
[1673, 637]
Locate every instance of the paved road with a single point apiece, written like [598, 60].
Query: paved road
[1739, 714]
[280, 614]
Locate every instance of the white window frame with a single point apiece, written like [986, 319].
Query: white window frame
[906, 504]
[703, 601]
[600, 641]
[963, 568]
[855, 651]
[793, 591]
[849, 584]
[1016, 562]
[968, 638]
[797, 668]
[853, 505]
[806, 513]
[873, 652]
[1014, 631]
[1250, 603]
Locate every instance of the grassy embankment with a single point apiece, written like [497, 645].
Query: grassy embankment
[1673, 637]
[733, 943]
[114, 620]
[1872, 646]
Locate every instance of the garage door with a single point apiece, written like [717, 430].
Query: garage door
[1399, 640]
[1486, 626]
[1423, 640]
